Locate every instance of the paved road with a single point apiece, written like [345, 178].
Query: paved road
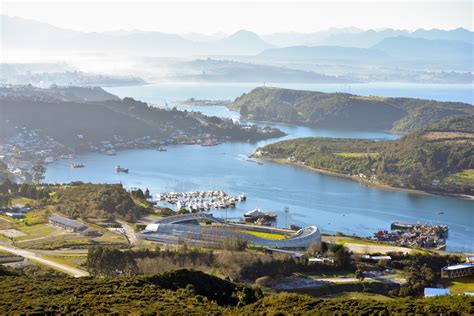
[33, 256]
[129, 233]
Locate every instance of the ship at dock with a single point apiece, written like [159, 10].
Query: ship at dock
[441, 230]
[257, 216]
[415, 235]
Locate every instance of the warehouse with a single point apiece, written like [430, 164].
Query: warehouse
[458, 270]
[66, 223]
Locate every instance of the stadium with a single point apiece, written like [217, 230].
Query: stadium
[205, 230]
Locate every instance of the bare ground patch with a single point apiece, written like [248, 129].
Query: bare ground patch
[12, 233]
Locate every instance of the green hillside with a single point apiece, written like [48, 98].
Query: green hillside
[342, 110]
[191, 292]
[438, 158]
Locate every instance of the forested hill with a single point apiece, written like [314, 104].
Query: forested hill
[439, 158]
[80, 117]
[342, 110]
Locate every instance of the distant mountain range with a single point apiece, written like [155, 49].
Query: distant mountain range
[399, 50]
[22, 34]
[369, 38]
[19, 33]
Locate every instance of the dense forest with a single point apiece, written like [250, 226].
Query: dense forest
[343, 110]
[78, 199]
[437, 158]
[192, 292]
[96, 200]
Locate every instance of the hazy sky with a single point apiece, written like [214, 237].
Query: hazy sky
[261, 17]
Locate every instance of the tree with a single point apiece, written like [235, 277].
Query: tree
[359, 275]
[244, 110]
[236, 244]
[314, 248]
[342, 257]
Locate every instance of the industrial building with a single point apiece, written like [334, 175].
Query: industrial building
[66, 223]
[458, 270]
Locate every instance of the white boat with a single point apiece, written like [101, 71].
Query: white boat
[120, 169]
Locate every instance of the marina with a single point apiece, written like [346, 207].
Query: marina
[200, 201]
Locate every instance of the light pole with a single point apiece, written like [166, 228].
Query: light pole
[286, 216]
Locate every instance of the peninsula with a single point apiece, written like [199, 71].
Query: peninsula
[343, 110]
[438, 159]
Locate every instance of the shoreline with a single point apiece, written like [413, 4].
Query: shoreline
[379, 186]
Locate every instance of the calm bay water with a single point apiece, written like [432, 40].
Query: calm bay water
[332, 203]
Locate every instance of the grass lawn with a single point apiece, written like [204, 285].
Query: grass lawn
[34, 231]
[464, 179]
[358, 296]
[110, 237]
[364, 242]
[460, 285]
[71, 261]
[358, 155]
[272, 236]
[22, 201]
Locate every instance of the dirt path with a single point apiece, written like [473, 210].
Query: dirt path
[33, 256]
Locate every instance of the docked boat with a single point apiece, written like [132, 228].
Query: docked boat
[111, 152]
[402, 226]
[120, 169]
[77, 165]
[257, 213]
[210, 143]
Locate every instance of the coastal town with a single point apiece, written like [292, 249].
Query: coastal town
[27, 150]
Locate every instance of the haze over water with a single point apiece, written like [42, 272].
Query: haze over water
[332, 203]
